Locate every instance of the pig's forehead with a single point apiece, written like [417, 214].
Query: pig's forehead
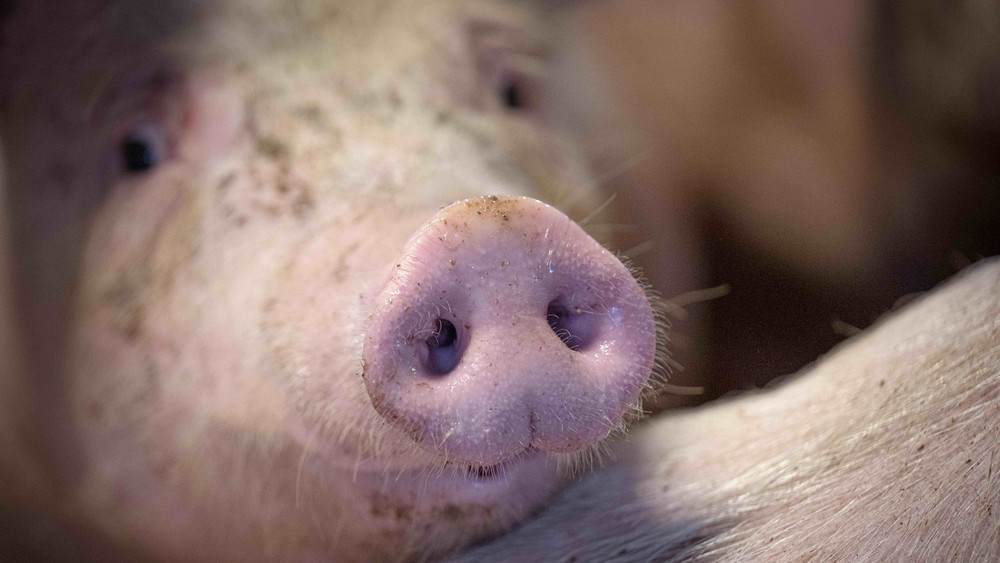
[245, 26]
[423, 43]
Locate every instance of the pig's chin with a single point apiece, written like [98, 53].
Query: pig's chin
[514, 488]
[480, 473]
[523, 479]
[473, 482]
[480, 476]
[396, 469]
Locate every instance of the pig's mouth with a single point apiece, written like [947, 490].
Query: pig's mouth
[500, 470]
[484, 473]
[518, 484]
[494, 472]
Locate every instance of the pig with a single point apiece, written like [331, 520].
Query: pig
[267, 305]
[215, 345]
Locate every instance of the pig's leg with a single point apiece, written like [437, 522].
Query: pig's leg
[888, 450]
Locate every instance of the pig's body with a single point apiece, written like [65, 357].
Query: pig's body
[887, 450]
[209, 205]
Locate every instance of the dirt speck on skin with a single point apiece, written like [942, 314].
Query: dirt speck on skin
[313, 114]
[457, 514]
[223, 186]
[384, 507]
[303, 204]
[500, 209]
[272, 147]
[172, 244]
[451, 512]
[126, 299]
[341, 270]
[268, 305]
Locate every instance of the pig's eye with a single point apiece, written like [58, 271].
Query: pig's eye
[511, 66]
[142, 150]
[518, 91]
[511, 94]
[138, 155]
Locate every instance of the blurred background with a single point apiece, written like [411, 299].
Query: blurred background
[823, 162]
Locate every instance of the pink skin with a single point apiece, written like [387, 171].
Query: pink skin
[495, 268]
[200, 393]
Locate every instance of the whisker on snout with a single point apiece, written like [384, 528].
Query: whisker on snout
[675, 306]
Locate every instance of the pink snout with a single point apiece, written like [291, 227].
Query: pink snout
[504, 327]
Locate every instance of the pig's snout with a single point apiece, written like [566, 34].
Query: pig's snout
[504, 327]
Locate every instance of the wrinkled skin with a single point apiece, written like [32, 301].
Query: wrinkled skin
[214, 368]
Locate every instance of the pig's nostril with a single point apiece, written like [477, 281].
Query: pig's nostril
[442, 348]
[576, 327]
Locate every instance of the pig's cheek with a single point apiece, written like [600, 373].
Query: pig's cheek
[313, 317]
[214, 119]
[121, 359]
[166, 370]
[160, 340]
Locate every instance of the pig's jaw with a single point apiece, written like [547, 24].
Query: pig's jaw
[519, 483]
[418, 503]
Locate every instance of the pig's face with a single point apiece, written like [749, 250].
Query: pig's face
[267, 348]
